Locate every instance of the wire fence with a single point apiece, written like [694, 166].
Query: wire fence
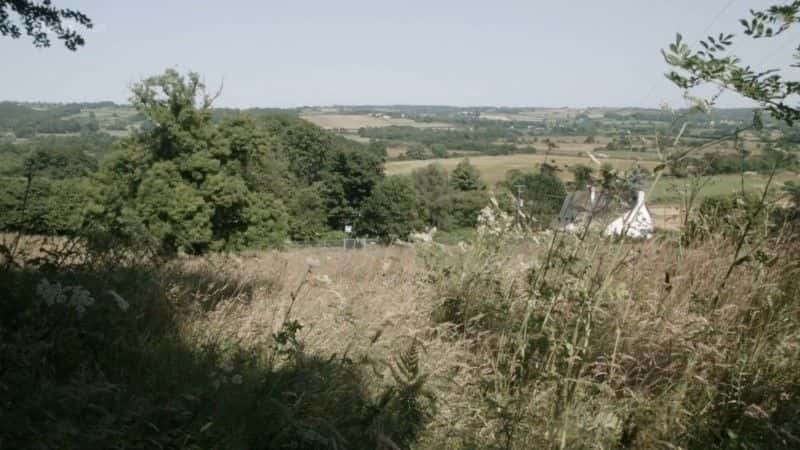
[347, 243]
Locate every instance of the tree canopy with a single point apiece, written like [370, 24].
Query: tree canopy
[391, 211]
[40, 20]
[188, 183]
[465, 177]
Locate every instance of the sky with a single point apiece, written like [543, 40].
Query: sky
[265, 53]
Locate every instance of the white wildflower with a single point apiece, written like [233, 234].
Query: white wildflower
[80, 299]
[50, 294]
[75, 297]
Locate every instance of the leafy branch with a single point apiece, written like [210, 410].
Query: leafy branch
[715, 64]
[40, 21]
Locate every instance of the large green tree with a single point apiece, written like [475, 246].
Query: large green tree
[188, 183]
[433, 191]
[348, 180]
[391, 211]
[465, 177]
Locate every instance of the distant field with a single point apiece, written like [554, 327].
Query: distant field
[494, 168]
[355, 137]
[356, 121]
[531, 116]
[670, 190]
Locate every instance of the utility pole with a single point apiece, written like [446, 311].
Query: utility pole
[519, 187]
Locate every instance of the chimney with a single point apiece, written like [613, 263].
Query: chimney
[639, 198]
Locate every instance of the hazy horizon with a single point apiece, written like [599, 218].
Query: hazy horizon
[574, 54]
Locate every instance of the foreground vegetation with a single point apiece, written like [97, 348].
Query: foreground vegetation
[512, 341]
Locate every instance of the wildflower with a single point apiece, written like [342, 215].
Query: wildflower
[80, 299]
[236, 379]
[49, 293]
[76, 297]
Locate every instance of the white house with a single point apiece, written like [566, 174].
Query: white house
[635, 223]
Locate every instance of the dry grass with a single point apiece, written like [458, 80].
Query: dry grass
[654, 345]
[542, 341]
[346, 300]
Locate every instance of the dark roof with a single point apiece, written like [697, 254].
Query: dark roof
[579, 203]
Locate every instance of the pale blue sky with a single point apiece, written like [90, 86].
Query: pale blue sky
[458, 52]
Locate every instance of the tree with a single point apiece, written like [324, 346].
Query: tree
[582, 176]
[465, 177]
[433, 191]
[542, 193]
[391, 211]
[39, 20]
[715, 64]
[308, 216]
[341, 172]
[59, 163]
[465, 206]
[439, 151]
[188, 183]
[42, 206]
[348, 181]
[307, 146]
[378, 148]
[417, 151]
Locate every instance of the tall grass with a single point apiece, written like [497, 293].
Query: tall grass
[513, 341]
[581, 342]
[193, 354]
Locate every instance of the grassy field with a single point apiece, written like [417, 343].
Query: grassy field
[494, 168]
[671, 190]
[355, 121]
[666, 196]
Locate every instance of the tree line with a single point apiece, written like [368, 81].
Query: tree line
[197, 180]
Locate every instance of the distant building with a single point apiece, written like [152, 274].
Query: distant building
[635, 223]
[593, 208]
[581, 207]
